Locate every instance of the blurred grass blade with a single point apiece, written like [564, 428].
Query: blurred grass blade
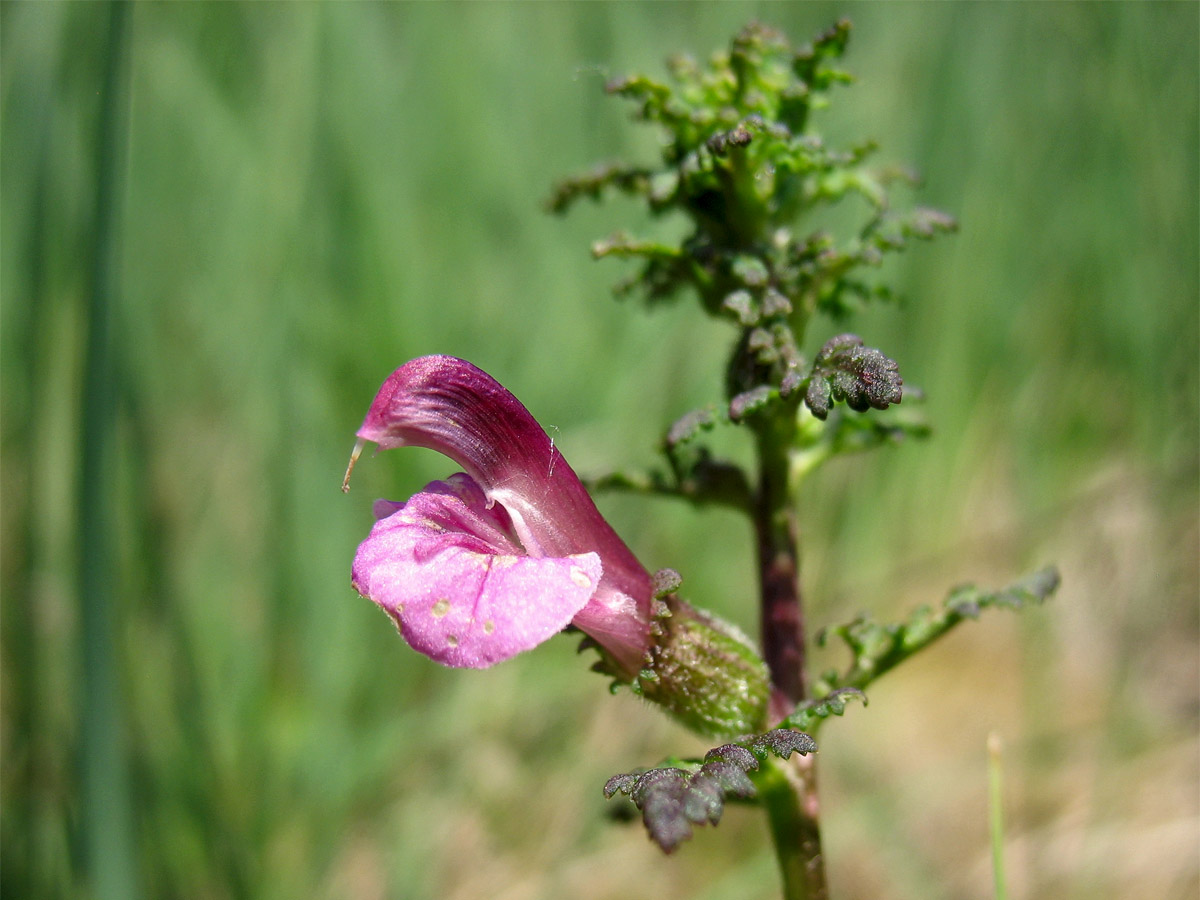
[996, 813]
[107, 823]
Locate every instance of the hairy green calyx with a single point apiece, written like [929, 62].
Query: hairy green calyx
[704, 672]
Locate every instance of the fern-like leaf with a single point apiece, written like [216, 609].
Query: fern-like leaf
[674, 798]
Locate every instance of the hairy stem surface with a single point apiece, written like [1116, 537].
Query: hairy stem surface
[790, 794]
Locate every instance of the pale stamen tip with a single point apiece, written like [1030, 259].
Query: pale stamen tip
[358, 448]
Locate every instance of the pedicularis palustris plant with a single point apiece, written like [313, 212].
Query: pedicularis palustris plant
[494, 560]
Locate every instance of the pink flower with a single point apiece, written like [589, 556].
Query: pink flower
[495, 561]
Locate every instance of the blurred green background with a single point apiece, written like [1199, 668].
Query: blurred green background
[297, 198]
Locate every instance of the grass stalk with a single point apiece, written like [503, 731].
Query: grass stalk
[996, 813]
[106, 827]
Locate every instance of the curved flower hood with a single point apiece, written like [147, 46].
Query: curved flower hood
[493, 562]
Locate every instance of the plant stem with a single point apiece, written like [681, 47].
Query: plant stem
[790, 790]
[779, 571]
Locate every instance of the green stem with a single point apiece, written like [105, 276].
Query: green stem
[789, 788]
[788, 792]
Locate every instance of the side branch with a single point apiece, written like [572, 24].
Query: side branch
[879, 648]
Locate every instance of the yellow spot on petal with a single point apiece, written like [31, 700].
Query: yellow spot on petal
[504, 562]
[440, 608]
[489, 627]
[451, 641]
[580, 577]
